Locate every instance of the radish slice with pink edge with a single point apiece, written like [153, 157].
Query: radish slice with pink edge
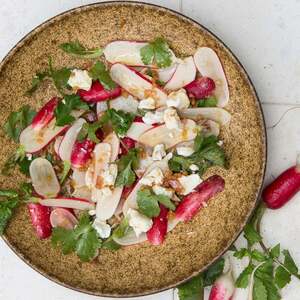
[184, 74]
[45, 114]
[114, 142]
[169, 137]
[137, 129]
[107, 205]
[66, 145]
[36, 140]
[102, 156]
[208, 64]
[127, 104]
[136, 84]
[43, 178]
[78, 178]
[167, 73]
[75, 203]
[131, 199]
[216, 114]
[131, 239]
[82, 192]
[61, 217]
[57, 144]
[82, 153]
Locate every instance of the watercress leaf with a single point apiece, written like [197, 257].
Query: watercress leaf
[60, 77]
[174, 166]
[65, 238]
[125, 177]
[289, 262]
[88, 130]
[243, 252]
[259, 290]
[258, 256]
[65, 172]
[214, 154]
[36, 81]
[207, 102]
[6, 210]
[243, 279]
[64, 108]
[147, 203]
[99, 72]
[147, 54]
[198, 142]
[282, 277]
[209, 140]
[191, 290]
[77, 49]
[166, 201]
[17, 121]
[213, 272]
[251, 235]
[275, 251]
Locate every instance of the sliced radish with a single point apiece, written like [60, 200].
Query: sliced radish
[81, 153]
[211, 128]
[126, 144]
[169, 137]
[83, 193]
[131, 199]
[137, 129]
[43, 178]
[131, 239]
[126, 52]
[66, 145]
[75, 203]
[136, 84]
[98, 93]
[61, 217]
[200, 88]
[216, 114]
[127, 104]
[102, 157]
[166, 74]
[57, 144]
[184, 74]
[45, 114]
[40, 219]
[36, 140]
[114, 142]
[209, 65]
[78, 178]
[107, 205]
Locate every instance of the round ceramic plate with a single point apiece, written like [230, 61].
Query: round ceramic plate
[141, 269]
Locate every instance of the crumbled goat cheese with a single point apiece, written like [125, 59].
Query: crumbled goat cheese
[102, 228]
[189, 182]
[194, 168]
[80, 79]
[153, 117]
[159, 152]
[160, 190]
[155, 176]
[178, 99]
[138, 222]
[184, 151]
[148, 103]
[172, 119]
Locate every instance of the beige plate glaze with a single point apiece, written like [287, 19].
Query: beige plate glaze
[190, 248]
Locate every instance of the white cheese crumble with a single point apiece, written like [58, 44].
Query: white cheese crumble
[194, 168]
[138, 222]
[184, 151]
[100, 193]
[155, 176]
[92, 212]
[189, 182]
[110, 175]
[178, 99]
[102, 228]
[160, 190]
[153, 117]
[148, 103]
[159, 152]
[220, 143]
[172, 119]
[80, 79]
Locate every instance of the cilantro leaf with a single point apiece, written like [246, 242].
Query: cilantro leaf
[191, 290]
[259, 290]
[77, 49]
[36, 81]
[282, 277]
[207, 102]
[17, 121]
[110, 244]
[147, 203]
[213, 272]
[158, 52]
[165, 201]
[64, 108]
[6, 208]
[243, 279]
[126, 163]
[65, 172]
[275, 251]
[88, 130]
[122, 229]
[251, 235]
[99, 72]
[243, 252]
[289, 262]
[258, 256]
[83, 239]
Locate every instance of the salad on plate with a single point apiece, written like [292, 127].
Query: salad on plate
[119, 156]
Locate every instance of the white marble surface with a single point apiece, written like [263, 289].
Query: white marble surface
[265, 36]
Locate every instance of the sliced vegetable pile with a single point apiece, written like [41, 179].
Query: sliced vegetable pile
[117, 157]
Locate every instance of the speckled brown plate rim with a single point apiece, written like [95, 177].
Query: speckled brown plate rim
[52, 20]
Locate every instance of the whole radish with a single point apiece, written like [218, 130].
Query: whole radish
[223, 288]
[40, 218]
[283, 188]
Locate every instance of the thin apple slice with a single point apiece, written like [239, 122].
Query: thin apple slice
[61, 217]
[127, 104]
[43, 178]
[209, 65]
[184, 74]
[136, 84]
[216, 114]
[66, 146]
[169, 137]
[107, 205]
[75, 203]
[166, 74]
[137, 129]
[131, 239]
[45, 114]
[114, 142]
[34, 141]
[131, 199]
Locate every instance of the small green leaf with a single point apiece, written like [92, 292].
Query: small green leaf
[110, 244]
[88, 130]
[36, 82]
[213, 272]
[282, 277]
[251, 234]
[122, 229]
[147, 54]
[243, 279]
[65, 172]
[258, 256]
[166, 201]
[275, 251]
[8, 193]
[6, 210]
[77, 49]
[243, 252]
[289, 262]
[259, 290]
[191, 290]
[60, 77]
[198, 142]
[207, 102]
[99, 72]
[147, 203]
